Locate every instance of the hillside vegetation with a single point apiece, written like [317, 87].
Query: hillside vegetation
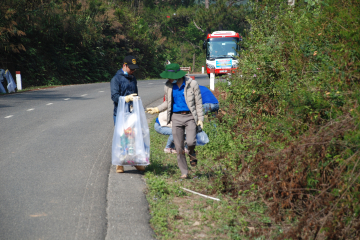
[56, 42]
[283, 155]
[288, 130]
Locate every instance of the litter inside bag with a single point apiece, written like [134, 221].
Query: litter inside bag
[131, 140]
[202, 138]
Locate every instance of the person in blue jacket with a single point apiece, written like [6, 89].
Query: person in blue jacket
[124, 84]
[210, 103]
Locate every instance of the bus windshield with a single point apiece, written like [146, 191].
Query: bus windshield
[222, 47]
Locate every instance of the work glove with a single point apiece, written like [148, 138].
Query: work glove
[201, 124]
[152, 110]
[130, 97]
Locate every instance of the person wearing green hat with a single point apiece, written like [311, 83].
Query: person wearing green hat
[183, 103]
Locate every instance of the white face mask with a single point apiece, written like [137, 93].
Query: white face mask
[174, 81]
[125, 72]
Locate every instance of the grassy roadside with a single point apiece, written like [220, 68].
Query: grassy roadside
[177, 214]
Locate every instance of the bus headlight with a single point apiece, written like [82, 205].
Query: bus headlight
[210, 66]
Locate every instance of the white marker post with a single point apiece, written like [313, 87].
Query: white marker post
[18, 80]
[202, 70]
[212, 79]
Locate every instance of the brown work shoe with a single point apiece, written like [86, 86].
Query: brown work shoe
[193, 159]
[119, 169]
[140, 168]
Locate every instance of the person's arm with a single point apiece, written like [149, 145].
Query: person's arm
[115, 89]
[161, 107]
[136, 87]
[198, 103]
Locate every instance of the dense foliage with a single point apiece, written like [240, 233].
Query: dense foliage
[290, 119]
[80, 41]
[288, 132]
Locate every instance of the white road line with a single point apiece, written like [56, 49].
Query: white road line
[66, 99]
[49, 104]
[164, 82]
[151, 83]
[83, 95]
[30, 109]
[9, 116]
[101, 91]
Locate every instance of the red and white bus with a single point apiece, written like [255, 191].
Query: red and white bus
[221, 51]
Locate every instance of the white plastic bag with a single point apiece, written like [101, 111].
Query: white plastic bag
[11, 83]
[131, 140]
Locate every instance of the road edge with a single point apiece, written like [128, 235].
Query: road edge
[127, 209]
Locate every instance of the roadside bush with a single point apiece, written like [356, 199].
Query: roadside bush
[289, 123]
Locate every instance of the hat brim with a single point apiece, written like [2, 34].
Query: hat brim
[133, 66]
[172, 75]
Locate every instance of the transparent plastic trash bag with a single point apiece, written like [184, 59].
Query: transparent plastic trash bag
[131, 140]
[11, 83]
[202, 138]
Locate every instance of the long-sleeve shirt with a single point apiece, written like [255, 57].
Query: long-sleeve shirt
[122, 85]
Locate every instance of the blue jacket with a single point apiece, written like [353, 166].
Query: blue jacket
[2, 77]
[207, 96]
[122, 85]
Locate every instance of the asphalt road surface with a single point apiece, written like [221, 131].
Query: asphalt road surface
[55, 159]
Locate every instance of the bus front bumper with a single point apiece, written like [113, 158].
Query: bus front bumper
[220, 71]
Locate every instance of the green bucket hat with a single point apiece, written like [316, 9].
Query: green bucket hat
[172, 71]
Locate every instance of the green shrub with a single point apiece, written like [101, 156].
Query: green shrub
[290, 118]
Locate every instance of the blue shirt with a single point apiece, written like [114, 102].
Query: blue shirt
[157, 121]
[179, 103]
[207, 95]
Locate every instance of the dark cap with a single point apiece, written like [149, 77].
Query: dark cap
[131, 62]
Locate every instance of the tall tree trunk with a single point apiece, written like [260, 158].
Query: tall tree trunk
[193, 67]
[207, 4]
